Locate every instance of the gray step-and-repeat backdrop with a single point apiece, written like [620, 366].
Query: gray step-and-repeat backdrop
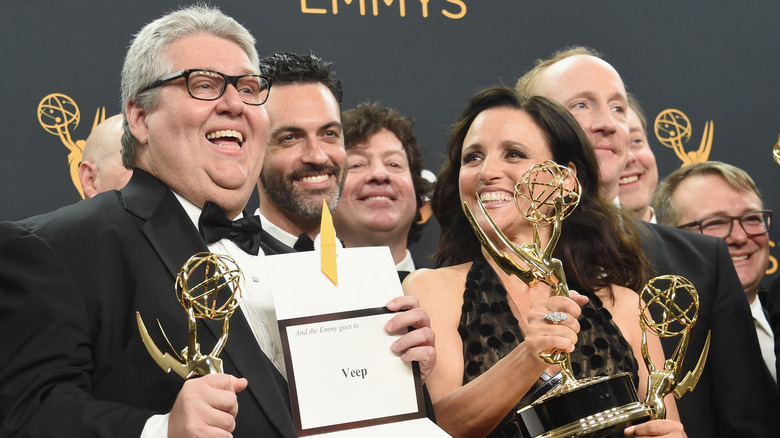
[714, 62]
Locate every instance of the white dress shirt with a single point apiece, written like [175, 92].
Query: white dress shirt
[407, 264]
[276, 232]
[766, 338]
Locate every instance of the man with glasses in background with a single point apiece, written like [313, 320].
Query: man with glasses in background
[721, 200]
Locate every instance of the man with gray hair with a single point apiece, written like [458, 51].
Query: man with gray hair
[194, 133]
[708, 198]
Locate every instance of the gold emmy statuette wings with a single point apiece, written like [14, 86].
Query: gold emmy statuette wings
[692, 378]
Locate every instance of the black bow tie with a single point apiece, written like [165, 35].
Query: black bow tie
[304, 243]
[215, 226]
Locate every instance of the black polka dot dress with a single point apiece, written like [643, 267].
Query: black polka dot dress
[490, 331]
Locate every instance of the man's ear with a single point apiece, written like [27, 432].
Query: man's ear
[87, 177]
[136, 120]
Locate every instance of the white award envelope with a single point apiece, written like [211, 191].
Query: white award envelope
[344, 379]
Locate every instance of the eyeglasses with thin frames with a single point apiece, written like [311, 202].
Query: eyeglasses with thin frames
[211, 85]
[754, 223]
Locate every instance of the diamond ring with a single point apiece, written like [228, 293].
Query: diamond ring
[556, 317]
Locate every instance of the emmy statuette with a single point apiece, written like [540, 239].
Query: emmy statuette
[208, 286]
[596, 407]
[662, 293]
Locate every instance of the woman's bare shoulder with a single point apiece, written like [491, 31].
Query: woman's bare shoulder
[424, 281]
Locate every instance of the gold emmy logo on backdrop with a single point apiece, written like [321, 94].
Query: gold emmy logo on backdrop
[776, 151]
[664, 293]
[772, 268]
[208, 286]
[546, 195]
[58, 114]
[673, 130]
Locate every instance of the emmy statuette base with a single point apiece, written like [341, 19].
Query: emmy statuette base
[597, 408]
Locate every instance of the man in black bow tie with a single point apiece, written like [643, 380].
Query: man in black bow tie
[194, 131]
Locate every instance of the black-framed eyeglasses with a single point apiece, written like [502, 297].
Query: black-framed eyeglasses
[211, 85]
[754, 223]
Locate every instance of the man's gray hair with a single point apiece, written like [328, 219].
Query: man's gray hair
[147, 61]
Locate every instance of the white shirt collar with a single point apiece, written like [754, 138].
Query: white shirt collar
[766, 340]
[407, 264]
[278, 233]
[192, 210]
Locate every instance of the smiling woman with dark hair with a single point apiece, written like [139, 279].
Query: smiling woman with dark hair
[490, 326]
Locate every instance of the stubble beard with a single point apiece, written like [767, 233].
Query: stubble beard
[306, 204]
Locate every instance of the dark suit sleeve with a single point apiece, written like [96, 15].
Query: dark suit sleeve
[46, 351]
[735, 394]
[747, 402]
[773, 302]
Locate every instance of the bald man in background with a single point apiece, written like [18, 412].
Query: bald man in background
[735, 396]
[101, 166]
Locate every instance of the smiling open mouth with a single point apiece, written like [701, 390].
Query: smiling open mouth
[629, 179]
[226, 138]
[496, 197]
[315, 178]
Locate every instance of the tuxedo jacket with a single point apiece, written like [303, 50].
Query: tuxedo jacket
[773, 306]
[72, 362]
[735, 396]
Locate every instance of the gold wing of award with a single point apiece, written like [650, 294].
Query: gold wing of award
[692, 378]
[208, 286]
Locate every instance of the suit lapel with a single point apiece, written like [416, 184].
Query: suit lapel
[272, 246]
[175, 239]
[164, 222]
[654, 248]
